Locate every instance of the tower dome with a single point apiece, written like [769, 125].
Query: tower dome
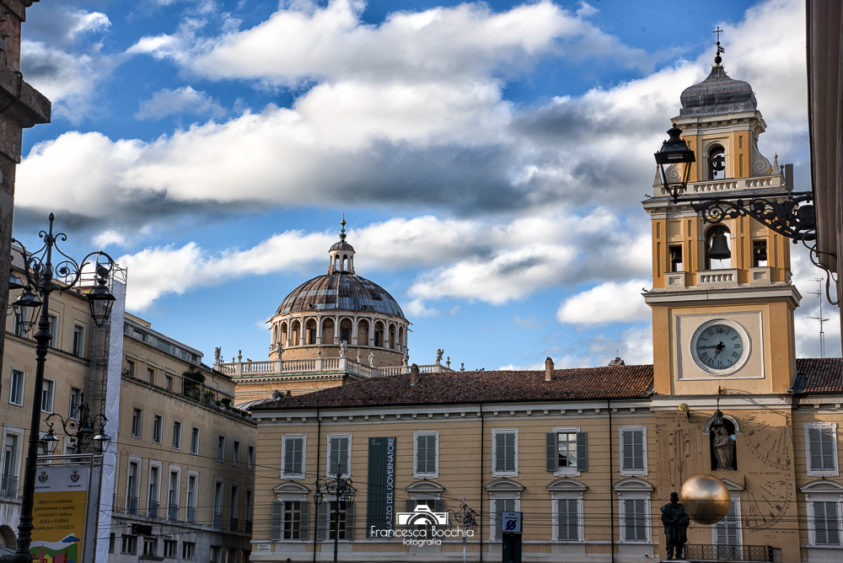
[340, 313]
[718, 93]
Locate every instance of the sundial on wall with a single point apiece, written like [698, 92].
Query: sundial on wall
[766, 501]
[771, 445]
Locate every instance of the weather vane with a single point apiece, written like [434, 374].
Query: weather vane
[717, 58]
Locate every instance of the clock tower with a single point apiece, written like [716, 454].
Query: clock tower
[722, 299]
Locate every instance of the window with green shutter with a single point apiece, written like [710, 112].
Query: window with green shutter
[821, 441]
[426, 451]
[567, 451]
[504, 452]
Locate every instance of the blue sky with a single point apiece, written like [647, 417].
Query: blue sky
[490, 158]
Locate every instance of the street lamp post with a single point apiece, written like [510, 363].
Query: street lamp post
[342, 490]
[82, 428]
[39, 283]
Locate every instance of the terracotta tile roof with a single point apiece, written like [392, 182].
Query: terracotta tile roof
[607, 382]
[818, 375]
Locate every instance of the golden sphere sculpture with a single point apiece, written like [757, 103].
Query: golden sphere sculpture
[706, 498]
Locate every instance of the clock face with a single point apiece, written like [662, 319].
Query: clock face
[720, 347]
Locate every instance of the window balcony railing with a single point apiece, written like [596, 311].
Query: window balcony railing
[217, 519]
[132, 505]
[173, 512]
[191, 515]
[731, 553]
[9, 486]
[152, 509]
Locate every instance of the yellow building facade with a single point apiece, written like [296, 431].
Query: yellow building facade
[588, 456]
[177, 479]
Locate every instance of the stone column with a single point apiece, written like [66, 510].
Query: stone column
[21, 107]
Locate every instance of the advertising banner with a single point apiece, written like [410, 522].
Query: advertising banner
[380, 500]
[61, 494]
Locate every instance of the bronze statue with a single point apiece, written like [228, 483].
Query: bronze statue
[724, 447]
[675, 519]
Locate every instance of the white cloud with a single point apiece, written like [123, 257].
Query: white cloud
[184, 100]
[609, 302]
[69, 80]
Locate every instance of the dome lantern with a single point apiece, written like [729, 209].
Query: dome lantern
[342, 254]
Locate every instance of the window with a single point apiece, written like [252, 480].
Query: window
[499, 506]
[633, 450]
[293, 456]
[339, 447]
[75, 402]
[132, 487]
[821, 448]
[727, 533]
[251, 454]
[173, 496]
[825, 522]
[194, 441]
[292, 518]
[216, 554]
[567, 516]
[152, 498]
[675, 252]
[235, 502]
[18, 328]
[78, 341]
[150, 376]
[170, 549]
[220, 448]
[188, 550]
[504, 452]
[11, 466]
[567, 451]
[129, 544]
[634, 518]
[176, 435]
[340, 519]
[236, 453]
[157, 422]
[54, 327]
[168, 382]
[192, 480]
[130, 368]
[16, 388]
[150, 546]
[759, 253]
[426, 462]
[111, 541]
[136, 423]
[47, 395]
[218, 504]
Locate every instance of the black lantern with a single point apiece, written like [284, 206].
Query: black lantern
[675, 151]
[100, 299]
[26, 306]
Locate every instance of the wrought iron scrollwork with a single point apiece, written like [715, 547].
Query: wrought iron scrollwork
[792, 217]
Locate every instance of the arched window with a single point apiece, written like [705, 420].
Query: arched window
[282, 335]
[392, 343]
[379, 334]
[328, 331]
[363, 333]
[345, 331]
[718, 248]
[716, 163]
[296, 336]
[310, 335]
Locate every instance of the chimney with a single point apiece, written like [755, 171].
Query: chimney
[548, 369]
[414, 374]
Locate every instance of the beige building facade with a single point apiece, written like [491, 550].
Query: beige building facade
[178, 474]
[588, 456]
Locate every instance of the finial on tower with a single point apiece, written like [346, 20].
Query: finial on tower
[717, 58]
[342, 227]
